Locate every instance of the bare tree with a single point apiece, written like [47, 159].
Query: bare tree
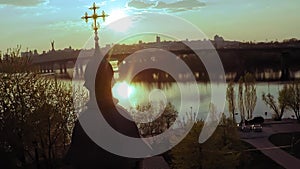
[250, 96]
[12, 62]
[230, 97]
[247, 96]
[241, 101]
[294, 98]
[277, 106]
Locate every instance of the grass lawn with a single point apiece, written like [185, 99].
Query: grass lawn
[287, 139]
[257, 160]
[251, 159]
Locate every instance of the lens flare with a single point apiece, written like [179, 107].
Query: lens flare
[122, 90]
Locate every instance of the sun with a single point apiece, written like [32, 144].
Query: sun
[116, 14]
[122, 90]
[118, 20]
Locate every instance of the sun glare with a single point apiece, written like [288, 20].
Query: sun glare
[122, 90]
[122, 25]
[116, 14]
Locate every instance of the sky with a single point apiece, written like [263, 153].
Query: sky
[35, 23]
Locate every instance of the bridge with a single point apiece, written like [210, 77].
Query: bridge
[281, 63]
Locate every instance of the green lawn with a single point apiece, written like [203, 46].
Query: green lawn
[251, 159]
[287, 139]
[257, 160]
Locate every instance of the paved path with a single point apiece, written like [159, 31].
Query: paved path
[261, 141]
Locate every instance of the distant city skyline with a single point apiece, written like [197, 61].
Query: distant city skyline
[35, 23]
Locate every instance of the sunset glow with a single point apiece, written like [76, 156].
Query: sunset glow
[60, 20]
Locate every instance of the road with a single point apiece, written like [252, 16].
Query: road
[261, 142]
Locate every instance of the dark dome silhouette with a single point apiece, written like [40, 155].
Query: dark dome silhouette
[84, 153]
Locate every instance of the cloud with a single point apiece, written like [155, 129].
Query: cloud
[170, 5]
[181, 5]
[140, 4]
[22, 3]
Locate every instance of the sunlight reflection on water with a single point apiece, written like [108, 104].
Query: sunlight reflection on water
[172, 94]
[140, 93]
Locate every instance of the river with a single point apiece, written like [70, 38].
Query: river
[131, 95]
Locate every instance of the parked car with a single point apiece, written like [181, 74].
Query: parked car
[245, 128]
[257, 128]
[255, 120]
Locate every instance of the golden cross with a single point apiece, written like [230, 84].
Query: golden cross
[95, 16]
[95, 26]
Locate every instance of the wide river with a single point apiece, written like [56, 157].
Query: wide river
[184, 96]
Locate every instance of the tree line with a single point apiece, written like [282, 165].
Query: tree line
[36, 115]
[246, 98]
